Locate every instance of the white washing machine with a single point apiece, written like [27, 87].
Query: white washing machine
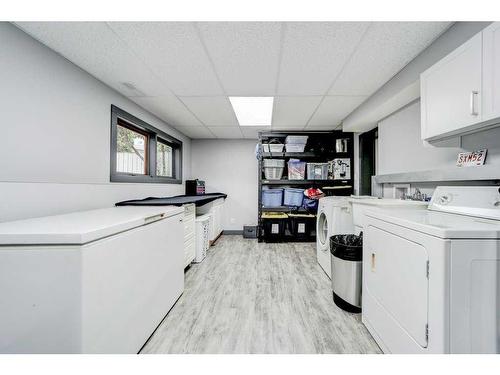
[431, 278]
[334, 217]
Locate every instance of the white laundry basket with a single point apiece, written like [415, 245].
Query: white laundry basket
[202, 233]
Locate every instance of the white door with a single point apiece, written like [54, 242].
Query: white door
[395, 275]
[451, 91]
[491, 71]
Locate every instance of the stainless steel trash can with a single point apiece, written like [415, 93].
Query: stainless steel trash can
[346, 251]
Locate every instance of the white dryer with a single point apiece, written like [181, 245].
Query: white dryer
[431, 278]
[334, 217]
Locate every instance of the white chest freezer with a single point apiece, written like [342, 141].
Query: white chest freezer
[96, 281]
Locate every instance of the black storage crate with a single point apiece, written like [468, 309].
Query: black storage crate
[249, 231]
[274, 229]
[302, 227]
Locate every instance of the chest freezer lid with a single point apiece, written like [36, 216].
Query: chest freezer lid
[81, 227]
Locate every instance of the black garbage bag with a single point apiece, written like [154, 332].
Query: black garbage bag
[347, 246]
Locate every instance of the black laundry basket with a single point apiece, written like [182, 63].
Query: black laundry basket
[346, 255]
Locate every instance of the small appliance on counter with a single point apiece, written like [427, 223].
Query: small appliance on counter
[195, 187]
[340, 169]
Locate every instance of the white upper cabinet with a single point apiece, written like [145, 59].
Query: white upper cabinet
[491, 72]
[451, 92]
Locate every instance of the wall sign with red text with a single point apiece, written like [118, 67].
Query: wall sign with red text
[472, 158]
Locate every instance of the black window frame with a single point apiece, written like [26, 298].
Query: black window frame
[119, 115]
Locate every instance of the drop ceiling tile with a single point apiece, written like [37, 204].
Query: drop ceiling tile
[294, 111]
[245, 55]
[173, 50]
[314, 54]
[386, 48]
[252, 132]
[333, 110]
[230, 132]
[170, 110]
[212, 110]
[95, 48]
[196, 132]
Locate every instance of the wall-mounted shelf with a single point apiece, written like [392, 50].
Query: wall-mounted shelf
[485, 172]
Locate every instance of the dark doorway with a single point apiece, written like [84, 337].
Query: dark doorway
[367, 160]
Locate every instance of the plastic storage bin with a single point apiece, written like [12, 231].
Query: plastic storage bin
[303, 226]
[317, 171]
[293, 197]
[272, 197]
[296, 139]
[296, 169]
[249, 231]
[202, 233]
[291, 147]
[273, 168]
[274, 226]
[296, 143]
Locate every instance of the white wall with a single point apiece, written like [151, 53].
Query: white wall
[55, 134]
[402, 150]
[229, 166]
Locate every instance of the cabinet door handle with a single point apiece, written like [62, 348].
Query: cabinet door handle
[473, 96]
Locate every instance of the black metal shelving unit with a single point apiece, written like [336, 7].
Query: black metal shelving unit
[320, 148]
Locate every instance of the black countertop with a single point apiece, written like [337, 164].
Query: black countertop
[178, 200]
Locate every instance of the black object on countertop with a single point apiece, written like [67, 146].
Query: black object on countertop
[195, 187]
[178, 200]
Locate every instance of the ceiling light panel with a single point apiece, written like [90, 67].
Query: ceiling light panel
[253, 110]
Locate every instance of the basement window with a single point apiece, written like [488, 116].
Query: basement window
[142, 153]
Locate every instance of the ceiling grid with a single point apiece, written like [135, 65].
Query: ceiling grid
[185, 72]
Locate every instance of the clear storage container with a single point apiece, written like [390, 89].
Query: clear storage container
[317, 171]
[296, 169]
[295, 147]
[296, 139]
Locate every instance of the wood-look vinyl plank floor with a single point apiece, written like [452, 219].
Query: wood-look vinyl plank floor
[250, 297]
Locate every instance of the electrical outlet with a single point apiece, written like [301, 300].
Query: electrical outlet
[232, 220]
